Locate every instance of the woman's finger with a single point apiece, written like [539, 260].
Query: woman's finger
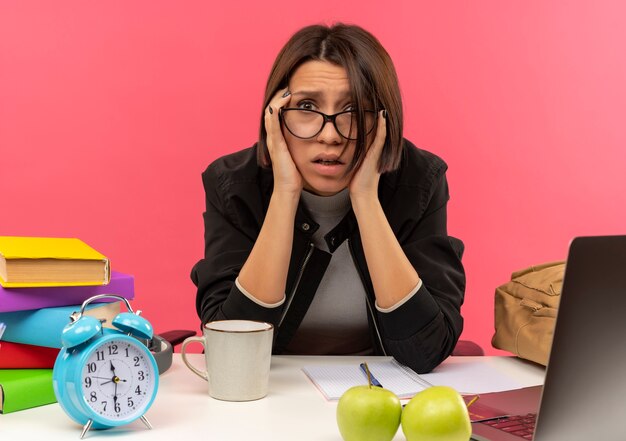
[381, 131]
[366, 177]
[376, 147]
[272, 121]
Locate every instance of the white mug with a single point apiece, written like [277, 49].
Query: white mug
[238, 355]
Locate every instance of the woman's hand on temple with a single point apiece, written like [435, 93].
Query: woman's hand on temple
[364, 183]
[287, 178]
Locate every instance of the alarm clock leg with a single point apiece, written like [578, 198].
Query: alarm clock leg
[146, 422]
[86, 428]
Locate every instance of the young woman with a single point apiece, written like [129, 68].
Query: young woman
[332, 227]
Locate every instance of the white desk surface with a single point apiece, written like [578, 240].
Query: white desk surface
[293, 410]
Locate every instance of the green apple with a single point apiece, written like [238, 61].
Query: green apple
[368, 413]
[436, 414]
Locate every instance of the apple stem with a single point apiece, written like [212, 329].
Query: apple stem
[369, 375]
[473, 400]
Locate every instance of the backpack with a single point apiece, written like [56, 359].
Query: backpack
[526, 309]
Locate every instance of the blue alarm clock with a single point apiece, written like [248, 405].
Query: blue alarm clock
[104, 377]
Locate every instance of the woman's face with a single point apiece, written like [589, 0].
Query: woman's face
[322, 160]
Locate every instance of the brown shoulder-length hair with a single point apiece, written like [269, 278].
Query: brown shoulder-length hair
[373, 82]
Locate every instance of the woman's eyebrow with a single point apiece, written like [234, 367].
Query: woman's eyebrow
[311, 93]
[316, 93]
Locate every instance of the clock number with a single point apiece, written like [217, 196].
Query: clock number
[104, 406]
[141, 376]
[113, 350]
[126, 352]
[130, 402]
[136, 360]
[93, 398]
[87, 382]
[137, 390]
[91, 367]
[100, 355]
[117, 407]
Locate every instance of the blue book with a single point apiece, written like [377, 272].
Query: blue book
[43, 327]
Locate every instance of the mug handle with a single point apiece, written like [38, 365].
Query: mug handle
[202, 374]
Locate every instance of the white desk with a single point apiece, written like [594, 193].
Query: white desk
[293, 410]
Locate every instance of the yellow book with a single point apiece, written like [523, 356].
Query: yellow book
[50, 261]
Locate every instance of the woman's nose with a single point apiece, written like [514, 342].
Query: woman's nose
[329, 134]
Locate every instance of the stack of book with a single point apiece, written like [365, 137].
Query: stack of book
[43, 281]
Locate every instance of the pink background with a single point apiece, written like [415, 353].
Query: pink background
[109, 112]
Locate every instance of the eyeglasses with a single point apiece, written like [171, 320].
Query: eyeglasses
[305, 123]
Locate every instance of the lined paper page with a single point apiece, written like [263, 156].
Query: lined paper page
[334, 380]
[466, 375]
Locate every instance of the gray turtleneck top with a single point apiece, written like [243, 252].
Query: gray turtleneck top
[336, 321]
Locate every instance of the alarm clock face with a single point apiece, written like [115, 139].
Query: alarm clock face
[118, 379]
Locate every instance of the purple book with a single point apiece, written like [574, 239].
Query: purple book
[20, 299]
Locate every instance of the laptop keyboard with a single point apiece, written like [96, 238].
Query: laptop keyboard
[520, 425]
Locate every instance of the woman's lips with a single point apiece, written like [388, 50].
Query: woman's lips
[328, 167]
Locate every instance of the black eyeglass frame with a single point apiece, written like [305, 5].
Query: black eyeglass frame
[327, 118]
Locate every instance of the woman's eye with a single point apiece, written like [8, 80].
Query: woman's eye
[306, 105]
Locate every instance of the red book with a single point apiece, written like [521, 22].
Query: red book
[22, 356]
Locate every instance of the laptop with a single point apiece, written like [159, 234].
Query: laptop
[584, 393]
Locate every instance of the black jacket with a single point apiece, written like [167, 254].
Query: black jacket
[421, 333]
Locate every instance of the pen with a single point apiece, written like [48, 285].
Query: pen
[369, 375]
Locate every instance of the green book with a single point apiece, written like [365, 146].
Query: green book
[25, 388]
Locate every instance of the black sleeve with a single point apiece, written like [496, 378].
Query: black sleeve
[228, 242]
[422, 332]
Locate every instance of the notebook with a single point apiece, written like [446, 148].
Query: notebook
[584, 394]
[334, 380]
[468, 375]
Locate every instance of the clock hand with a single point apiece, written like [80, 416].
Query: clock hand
[113, 380]
[108, 378]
